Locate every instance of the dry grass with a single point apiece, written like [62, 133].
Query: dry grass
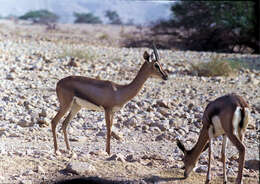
[216, 67]
[77, 53]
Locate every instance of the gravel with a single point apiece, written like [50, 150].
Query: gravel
[148, 125]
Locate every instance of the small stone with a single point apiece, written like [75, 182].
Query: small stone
[72, 62]
[116, 134]
[257, 107]
[24, 123]
[201, 169]
[43, 113]
[40, 169]
[131, 158]
[10, 76]
[185, 91]
[160, 137]
[42, 122]
[164, 112]
[234, 157]
[145, 127]
[191, 105]
[130, 123]
[149, 164]
[162, 103]
[117, 157]
[252, 164]
[2, 178]
[101, 133]
[155, 129]
[2, 131]
[74, 155]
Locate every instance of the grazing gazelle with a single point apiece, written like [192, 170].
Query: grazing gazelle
[75, 92]
[227, 116]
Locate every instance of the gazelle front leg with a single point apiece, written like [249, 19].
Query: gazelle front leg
[209, 162]
[109, 121]
[223, 158]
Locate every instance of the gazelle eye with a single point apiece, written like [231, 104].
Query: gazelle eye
[156, 66]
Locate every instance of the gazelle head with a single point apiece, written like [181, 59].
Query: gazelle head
[153, 63]
[188, 160]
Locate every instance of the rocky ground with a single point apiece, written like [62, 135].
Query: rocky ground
[143, 149]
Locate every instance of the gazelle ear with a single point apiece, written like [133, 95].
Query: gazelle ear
[146, 56]
[181, 146]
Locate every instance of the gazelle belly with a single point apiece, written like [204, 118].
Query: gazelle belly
[216, 128]
[88, 105]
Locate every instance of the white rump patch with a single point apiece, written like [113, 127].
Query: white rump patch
[236, 120]
[218, 129]
[246, 118]
[87, 104]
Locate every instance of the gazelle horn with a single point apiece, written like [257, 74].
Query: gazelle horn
[155, 52]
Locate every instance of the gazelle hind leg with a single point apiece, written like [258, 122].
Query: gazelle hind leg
[241, 149]
[62, 111]
[209, 163]
[74, 110]
[65, 99]
[223, 158]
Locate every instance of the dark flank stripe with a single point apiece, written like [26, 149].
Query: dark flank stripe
[84, 97]
[241, 123]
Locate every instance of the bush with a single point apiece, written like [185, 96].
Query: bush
[113, 17]
[77, 53]
[220, 26]
[87, 18]
[216, 67]
[40, 16]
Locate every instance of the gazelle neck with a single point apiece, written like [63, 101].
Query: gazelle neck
[195, 152]
[132, 89]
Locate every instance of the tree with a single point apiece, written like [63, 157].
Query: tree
[88, 18]
[217, 25]
[40, 16]
[113, 17]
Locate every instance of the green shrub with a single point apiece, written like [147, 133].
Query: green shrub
[216, 67]
[40, 16]
[87, 18]
[78, 53]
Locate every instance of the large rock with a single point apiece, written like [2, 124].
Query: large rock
[79, 168]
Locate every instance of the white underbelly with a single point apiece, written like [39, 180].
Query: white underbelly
[88, 105]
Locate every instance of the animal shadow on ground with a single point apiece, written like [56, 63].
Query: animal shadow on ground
[98, 180]
[155, 179]
[88, 180]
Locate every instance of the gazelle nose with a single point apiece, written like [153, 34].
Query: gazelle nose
[165, 77]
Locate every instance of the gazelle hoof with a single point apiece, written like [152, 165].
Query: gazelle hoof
[58, 153]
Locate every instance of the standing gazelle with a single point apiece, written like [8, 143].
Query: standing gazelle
[227, 116]
[75, 92]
